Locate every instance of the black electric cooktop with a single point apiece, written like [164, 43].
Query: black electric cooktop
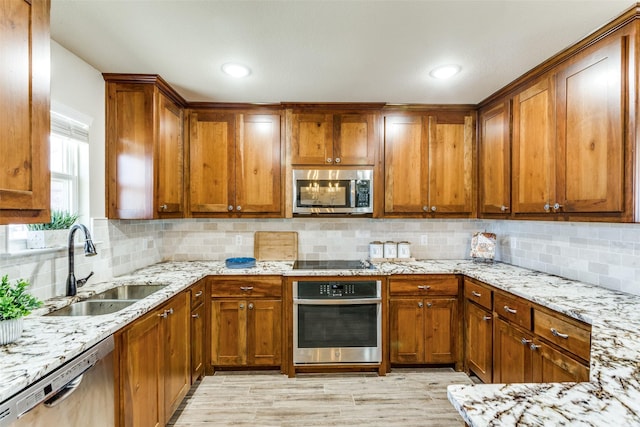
[338, 264]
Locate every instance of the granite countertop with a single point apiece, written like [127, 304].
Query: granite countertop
[612, 397]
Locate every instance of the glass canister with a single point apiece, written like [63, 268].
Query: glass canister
[390, 249]
[376, 250]
[404, 250]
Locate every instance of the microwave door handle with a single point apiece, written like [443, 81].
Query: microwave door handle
[353, 193]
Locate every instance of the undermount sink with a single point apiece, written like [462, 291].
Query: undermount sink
[127, 292]
[92, 308]
[109, 301]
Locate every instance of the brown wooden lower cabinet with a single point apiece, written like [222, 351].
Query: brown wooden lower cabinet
[153, 360]
[479, 341]
[521, 357]
[423, 330]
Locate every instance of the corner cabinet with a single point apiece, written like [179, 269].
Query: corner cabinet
[235, 165]
[145, 148]
[424, 323]
[494, 160]
[429, 164]
[153, 365]
[24, 108]
[572, 145]
[322, 138]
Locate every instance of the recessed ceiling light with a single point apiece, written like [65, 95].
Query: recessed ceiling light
[445, 71]
[236, 70]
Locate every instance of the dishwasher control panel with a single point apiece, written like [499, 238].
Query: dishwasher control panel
[47, 387]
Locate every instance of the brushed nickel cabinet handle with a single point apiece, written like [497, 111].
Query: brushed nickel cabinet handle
[338, 160]
[433, 209]
[486, 318]
[163, 207]
[246, 288]
[241, 306]
[250, 306]
[504, 208]
[238, 208]
[329, 160]
[555, 333]
[429, 305]
[547, 207]
[476, 294]
[534, 347]
[230, 207]
[510, 310]
[195, 316]
[424, 287]
[163, 315]
[420, 305]
[424, 208]
[525, 341]
[198, 294]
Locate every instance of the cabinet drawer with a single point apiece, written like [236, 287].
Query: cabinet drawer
[515, 310]
[563, 332]
[425, 285]
[478, 294]
[247, 286]
[197, 294]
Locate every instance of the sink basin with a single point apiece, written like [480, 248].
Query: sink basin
[127, 292]
[92, 308]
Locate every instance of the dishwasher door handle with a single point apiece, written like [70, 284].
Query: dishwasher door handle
[64, 392]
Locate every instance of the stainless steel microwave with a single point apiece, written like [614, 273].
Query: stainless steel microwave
[340, 191]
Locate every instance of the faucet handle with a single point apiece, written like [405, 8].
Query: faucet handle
[81, 282]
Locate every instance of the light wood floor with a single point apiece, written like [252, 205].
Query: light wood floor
[415, 397]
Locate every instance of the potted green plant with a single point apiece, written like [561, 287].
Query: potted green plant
[15, 303]
[50, 234]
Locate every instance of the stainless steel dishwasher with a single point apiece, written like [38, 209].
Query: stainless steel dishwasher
[79, 393]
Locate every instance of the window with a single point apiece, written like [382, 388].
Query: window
[69, 156]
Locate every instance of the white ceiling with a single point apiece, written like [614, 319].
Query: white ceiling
[326, 50]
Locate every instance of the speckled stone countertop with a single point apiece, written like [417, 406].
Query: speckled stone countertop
[612, 397]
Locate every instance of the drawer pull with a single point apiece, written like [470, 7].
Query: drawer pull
[250, 306]
[198, 294]
[534, 347]
[420, 305]
[555, 333]
[424, 287]
[476, 294]
[163, 315]
[195, 316]
[246, 288]
[429, 304]
[486, 318]
[525, 341]
[510, 310]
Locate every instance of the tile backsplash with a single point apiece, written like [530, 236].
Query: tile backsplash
[606, 255]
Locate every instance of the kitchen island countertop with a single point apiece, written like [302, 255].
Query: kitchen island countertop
[612, 397]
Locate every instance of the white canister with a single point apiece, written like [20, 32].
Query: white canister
[376, 250]
[390, 250]
[404, 250]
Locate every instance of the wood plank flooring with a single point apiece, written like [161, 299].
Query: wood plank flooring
[405, 397]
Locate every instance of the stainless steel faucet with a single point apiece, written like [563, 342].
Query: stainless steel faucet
[89, 250]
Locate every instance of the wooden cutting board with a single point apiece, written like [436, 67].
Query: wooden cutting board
[275, 245]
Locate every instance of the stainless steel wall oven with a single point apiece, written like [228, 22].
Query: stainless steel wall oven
[337, 322]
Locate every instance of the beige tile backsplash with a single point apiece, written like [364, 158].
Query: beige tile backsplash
[607, 255]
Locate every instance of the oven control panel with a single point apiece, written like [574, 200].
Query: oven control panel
[337, 289]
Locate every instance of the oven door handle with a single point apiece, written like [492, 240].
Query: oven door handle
[354, 301]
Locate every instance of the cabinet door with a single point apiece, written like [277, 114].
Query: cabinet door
[551, 366]
[450, 164]
[407, 334]
[176, 362]
[441, 321]
[197, 343]
[228, 332]
[258, 184]
[130, 150]
[24, 111]
[494, 158]
[355, 141]
[140, 379]
[511, 354]
[212, 162]
[406, 164]
[170, 159]
[591, 92]
[479, 341]
[264, 331]
[312, 139]
[533, 175]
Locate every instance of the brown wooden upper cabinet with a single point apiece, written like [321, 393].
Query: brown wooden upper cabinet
[333, 139]
[24, 112]
[429, 163]
[494, 159]
[145, 148]
[571, 149]
[235, 163]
